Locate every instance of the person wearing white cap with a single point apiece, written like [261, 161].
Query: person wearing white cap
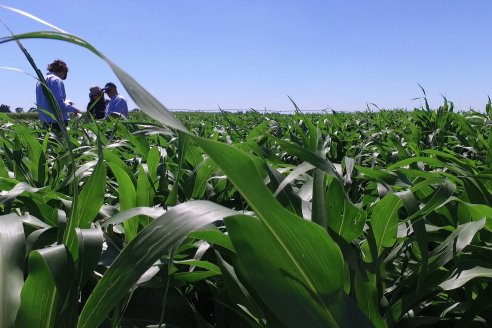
[117, 106]
[97, 104]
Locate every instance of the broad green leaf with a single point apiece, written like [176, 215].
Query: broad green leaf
[454, 244]
[463, 162]
[61, 218]
[201, 264]
[41, 238]
[202, 176]
[127, 196]
[111, 157]
[463, 276]
[302, 283]
[153, 160]
[313, 140]
[318, 214]
[152, 212]
[12, 253]
[384, 221]
[411, 206]
[88, 250]
[138, 142]
[367, 299]
[441, 196]
[378, 175]
[3, 170]
[37, 159]
[90, 198]
[238, 293]
[427, 160]
[308, 156]
[88, 204]
[9, 196]
[90, 243]
[193, 154]
[173, 195]
[288, 197]
[194, 275]
[343, 217]
[477, 193]
[475, 212]
[296, 173]
[214, 237]
[154, 241]
[51, 272]
[145, 193]
[33, 221]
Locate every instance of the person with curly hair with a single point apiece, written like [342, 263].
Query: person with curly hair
[57, 73]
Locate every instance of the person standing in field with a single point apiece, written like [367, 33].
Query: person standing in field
[57, 72]
[117, 106]
[97, 104]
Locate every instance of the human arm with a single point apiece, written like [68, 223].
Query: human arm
[58, 90]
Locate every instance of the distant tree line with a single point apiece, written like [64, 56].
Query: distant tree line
[32, 114]
[6, 109]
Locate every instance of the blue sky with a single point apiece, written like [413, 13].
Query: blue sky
[241, 54]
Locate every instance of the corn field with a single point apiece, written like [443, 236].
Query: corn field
[367, 219]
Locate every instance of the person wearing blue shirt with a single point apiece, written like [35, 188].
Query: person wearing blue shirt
[57, 72]
[117, 106]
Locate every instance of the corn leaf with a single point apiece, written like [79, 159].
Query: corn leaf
[51, 273]
[384, 221]
[154, 241]
[12, 253]
[301, 282]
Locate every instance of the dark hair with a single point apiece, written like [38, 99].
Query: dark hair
[57, 66]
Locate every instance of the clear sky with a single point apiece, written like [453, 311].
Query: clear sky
[241, 54]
